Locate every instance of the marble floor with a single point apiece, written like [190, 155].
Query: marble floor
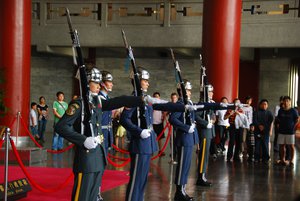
[232, 181]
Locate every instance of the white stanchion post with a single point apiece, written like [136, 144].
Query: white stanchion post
[7, 134]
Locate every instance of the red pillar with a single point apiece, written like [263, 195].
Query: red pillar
[221, 45]
[15, 46]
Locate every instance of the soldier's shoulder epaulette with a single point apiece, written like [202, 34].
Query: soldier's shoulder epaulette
[73, 106]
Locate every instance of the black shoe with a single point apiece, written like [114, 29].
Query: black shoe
[179, 196]
[201, 182]
[189, 198]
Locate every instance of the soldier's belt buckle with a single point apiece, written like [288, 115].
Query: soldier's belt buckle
[101, 138]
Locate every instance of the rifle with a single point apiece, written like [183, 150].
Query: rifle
[181, 82]
[136, 80]
[136, 83]
[178, 73]
[84, 85]
[203, 82]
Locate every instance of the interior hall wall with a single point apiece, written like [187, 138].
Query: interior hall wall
[48, 76]
[274, 80]
[162, 75]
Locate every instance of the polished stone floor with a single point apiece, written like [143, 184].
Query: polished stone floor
[231, 180]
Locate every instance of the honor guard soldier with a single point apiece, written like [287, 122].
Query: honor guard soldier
[186, 138]
[143, 139]
[90, 155]
[106, 85]
[205, 125]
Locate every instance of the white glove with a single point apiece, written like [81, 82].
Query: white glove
[209, 125]
[241, 105]
[148, 99]
[97, 140]
[196, 107]
[145, 133]
[192, 128]
[190, 108]
[90, 143]
[223, 104]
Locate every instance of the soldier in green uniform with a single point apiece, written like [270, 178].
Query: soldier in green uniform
[90, 155]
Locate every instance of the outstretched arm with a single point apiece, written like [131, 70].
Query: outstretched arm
[122, 101]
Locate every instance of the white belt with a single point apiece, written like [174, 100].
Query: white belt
[106, 127]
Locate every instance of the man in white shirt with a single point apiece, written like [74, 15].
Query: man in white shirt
[158, 124]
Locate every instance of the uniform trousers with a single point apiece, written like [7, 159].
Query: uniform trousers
[139, 168]
[203, 155]
[184, 158]
[86, 186]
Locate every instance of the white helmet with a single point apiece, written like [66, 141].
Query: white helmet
[106, 76]
[142, 73]
[209, 88]
[187, 85]
[94, 75]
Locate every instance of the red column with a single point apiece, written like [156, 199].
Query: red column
[15, 44]
[221, 45]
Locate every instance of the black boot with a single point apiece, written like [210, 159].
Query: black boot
[180, 194]
[202, 181]
[186, 195]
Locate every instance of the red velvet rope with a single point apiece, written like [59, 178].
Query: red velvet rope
[120, 150]
[160, 135]
[1, 142]
[37, 186]
[165, 145]
[61, 151]
[3, 137]
[118, 158]
[37, 144]
[153, 158]
[157, 138]
[29, 134]
[118, 165]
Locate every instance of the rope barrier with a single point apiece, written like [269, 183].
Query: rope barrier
[120, 150]
[61, 151]
[157, 138]
[165, 145]
[1, 143]
[38, 145]
[128, 159]
[163, 131]
[29, 134]
[118, 165]
[118, 158]
[37, 186]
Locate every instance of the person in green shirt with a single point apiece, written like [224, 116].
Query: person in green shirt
[59, 109]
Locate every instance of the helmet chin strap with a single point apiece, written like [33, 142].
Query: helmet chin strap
[104, 86]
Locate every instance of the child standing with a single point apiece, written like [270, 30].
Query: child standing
[119, 130]
[251, 143]
[33, 120]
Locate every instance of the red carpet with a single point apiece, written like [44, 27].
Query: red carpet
[52, 177]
